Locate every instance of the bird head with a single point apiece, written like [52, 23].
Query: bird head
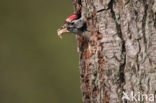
[68, 23]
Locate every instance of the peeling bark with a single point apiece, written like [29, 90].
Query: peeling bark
[120, 54]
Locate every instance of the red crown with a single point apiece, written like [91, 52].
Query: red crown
[71, 18]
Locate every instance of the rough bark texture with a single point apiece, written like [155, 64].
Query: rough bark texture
[120, 54]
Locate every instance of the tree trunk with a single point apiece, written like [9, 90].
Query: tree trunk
[119, 57]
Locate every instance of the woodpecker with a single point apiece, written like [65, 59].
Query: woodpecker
[74, 24]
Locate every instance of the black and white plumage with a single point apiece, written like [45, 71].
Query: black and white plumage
[77, 26]
[73, 24]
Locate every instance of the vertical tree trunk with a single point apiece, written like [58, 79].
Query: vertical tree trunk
[120, 54]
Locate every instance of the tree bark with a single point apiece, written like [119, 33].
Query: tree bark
[120, 54]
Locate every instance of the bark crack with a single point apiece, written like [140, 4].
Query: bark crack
[107, 67]
[155, 20]
[123, 51]
[144, 25]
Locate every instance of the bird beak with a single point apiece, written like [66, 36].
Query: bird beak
[62, 31]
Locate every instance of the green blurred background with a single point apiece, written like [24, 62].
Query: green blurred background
[35, 65]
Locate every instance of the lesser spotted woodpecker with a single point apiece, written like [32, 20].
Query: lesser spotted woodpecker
[74, 24]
